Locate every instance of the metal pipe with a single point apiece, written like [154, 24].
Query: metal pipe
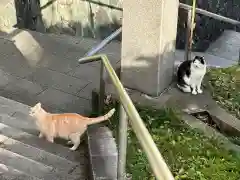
[210, 14]
[157, 163]
[101, 89]
[108, 39]
[239, 57]
[103, 43]
[205, 13]
[122, 141]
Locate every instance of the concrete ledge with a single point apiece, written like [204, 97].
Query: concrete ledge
[103, 154]
[209, 132]
[188, 104]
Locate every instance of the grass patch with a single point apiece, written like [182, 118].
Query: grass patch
[224, 84]
[189, 154]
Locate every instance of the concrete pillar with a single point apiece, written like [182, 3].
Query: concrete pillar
[148, 44]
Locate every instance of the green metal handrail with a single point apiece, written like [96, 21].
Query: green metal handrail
[157, 163]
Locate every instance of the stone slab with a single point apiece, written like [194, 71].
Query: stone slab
[20, 123]
[6, 79]
[86, 72]
[4, 109]
[33, 168]
[11, 103]
[103, 153]
[22, 97]
[211, 59]
[226, 46]
[36, 154]
[60, 81]
[100, 132]
[86, 92]
[228, 51]
[53, 98]
[102, 146]
[104, 167]
[12, 61]
[24, 164]
[9, 173]
[22, 90]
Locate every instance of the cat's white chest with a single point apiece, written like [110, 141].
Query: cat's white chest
[39, 125]
[197, 75]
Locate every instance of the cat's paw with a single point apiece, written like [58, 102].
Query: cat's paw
[73, 148]
[40, 135]
[69, 143]
[194, 92]
[200, 91]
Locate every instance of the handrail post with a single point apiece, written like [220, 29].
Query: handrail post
[157, 163]
[193, 24]
[188, 30]
[239, 57]
[101, 89]
[122, 140]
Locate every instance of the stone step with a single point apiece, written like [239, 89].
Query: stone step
[34, 141]
[9, 173]
[14, 105]
[36, 154]
[34, 168]
[24, 164]
[21, 123]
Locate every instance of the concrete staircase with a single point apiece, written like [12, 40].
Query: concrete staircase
[23, 156]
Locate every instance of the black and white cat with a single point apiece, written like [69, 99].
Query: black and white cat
[190, 75]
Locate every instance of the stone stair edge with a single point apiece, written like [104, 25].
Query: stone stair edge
[23, 164]
[27, 138]
[10, 173]
[97, 157]
[41, 155]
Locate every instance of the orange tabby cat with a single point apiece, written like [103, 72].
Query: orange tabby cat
[69, 126]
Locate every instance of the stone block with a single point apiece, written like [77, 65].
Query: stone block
[103, 153]
[102, 146]
[100, 132]
[104, 167]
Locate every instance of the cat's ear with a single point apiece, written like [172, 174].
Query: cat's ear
[39, 105]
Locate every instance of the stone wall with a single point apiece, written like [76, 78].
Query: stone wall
[98, 18]
[87, 18]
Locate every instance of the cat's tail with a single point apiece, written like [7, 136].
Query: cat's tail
[184, 88]
[101, 118]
